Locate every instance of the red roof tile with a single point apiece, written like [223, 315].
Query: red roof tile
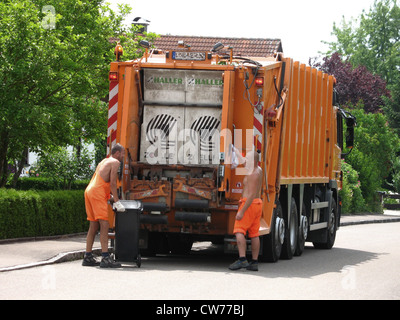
[241, 46]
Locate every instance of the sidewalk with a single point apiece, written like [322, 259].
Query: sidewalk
[388, 216]
[21, 254]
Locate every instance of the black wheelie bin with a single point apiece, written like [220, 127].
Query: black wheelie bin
[127, 226]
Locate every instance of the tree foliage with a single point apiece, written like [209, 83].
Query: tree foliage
[351, 194]
[373, 41]
[65, 166]
[54, 63]
[365, 59]
[374, 152]
[355, 84]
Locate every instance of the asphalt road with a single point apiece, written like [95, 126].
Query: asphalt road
[363, 264]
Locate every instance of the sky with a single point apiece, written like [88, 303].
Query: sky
[300, 24]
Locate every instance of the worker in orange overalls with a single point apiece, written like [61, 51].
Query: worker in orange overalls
[97, 195]
[249, 214]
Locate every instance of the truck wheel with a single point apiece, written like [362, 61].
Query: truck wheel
[272, 243]
[303, 232]
[332, 227]
[291, 232]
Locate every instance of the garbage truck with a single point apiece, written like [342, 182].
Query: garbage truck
[181, 115]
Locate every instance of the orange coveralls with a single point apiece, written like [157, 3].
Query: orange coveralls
[251, 219]
[97, 194]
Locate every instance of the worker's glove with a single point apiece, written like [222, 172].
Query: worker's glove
[234, 157]
[119, 206]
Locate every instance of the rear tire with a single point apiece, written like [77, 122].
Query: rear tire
[332, 228]
[303, 232]
[291, 233]
[272, 243]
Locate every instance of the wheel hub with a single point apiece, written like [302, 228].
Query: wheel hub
[304, 226]
[331, 226]
[280, 229]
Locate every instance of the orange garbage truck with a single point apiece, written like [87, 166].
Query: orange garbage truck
[182, 115]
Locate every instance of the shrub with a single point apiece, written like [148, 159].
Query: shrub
[65, 167]
[351, 194]
[372, 156]
[47, 184]
[17, 213]
[41, 213]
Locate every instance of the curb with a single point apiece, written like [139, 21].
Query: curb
[61, 257]
[387, 220]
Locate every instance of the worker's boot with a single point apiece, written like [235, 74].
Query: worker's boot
[107, 262]
[253, 266]
[90, 261]
[239, 264]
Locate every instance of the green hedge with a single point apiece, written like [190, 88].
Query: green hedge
[41, 213]
[45, 184]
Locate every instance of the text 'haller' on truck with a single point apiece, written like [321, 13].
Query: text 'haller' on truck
[181, 113]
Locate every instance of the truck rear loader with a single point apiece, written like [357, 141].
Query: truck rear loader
[180, 114]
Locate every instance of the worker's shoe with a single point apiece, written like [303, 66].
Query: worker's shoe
[253, 266]
[107, 262]
[239, 264]
[90, 261]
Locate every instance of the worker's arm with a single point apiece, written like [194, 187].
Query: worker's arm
[113, 180]
[240, 158]
[113, 186]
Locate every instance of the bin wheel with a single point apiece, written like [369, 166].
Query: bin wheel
[139, 261]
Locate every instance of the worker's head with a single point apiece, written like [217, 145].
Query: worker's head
[118, 152]
[256, 157]
[252, 159]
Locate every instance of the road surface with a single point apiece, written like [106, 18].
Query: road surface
[363, 264]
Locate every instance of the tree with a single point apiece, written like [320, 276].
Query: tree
[392, 107]
[355, 84]
[378, 40]
[65, 166]
[373, 41]
[54, 63]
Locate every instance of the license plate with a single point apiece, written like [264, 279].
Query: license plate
[188, 55]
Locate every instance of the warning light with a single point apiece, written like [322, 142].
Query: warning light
[113, 76]
[118, 51]
[259, 81]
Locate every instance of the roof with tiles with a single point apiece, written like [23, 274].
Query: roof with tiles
[241, 46]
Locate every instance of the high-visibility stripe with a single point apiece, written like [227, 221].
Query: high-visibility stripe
[114, 100]
[112, 118]
[112, 115]
[257, 129]
[113, 89]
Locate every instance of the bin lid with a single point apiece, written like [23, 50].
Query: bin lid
[131, 204]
